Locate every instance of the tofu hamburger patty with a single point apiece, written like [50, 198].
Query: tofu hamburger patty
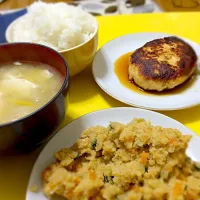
[162, 64]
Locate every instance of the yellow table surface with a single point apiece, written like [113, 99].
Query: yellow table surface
[86, 96]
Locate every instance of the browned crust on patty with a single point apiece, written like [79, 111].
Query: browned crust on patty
[164, 59]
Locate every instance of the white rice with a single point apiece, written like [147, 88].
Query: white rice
[56, 25]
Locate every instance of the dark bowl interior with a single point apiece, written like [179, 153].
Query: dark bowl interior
[27, 132]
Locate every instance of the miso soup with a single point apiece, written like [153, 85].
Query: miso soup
[25, 87]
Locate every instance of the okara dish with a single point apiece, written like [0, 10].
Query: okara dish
[134, 161]
[162, 64]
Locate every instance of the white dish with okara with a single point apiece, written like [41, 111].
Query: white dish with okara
[67, 136]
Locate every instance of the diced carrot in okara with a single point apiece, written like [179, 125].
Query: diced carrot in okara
[69, 195]
[45, 173]
[190, 196]
[177, 189]
[129, 139]
[92, 175]
[171, 140]
[144, 157]
[77, 180]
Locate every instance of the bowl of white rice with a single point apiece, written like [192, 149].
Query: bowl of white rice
[65, 28]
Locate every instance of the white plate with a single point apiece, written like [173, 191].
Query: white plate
[70, 133]
[104, 75]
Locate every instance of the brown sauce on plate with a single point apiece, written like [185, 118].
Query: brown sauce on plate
[121, 70]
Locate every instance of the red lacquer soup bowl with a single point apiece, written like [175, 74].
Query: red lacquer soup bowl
[26, 133]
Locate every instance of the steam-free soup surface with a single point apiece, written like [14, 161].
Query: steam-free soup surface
[25, 87]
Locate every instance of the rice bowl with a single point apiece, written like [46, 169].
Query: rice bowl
[79, 54]
[57, 25]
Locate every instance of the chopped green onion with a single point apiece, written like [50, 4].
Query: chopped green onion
[77, 156]
[197, 168]
[110, 127]
[146, 169]
[94, 144]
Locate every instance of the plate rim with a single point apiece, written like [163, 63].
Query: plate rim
[9, 11]
[59, 133]
[130, 103]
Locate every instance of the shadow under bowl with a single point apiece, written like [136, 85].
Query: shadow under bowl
[26, 133]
